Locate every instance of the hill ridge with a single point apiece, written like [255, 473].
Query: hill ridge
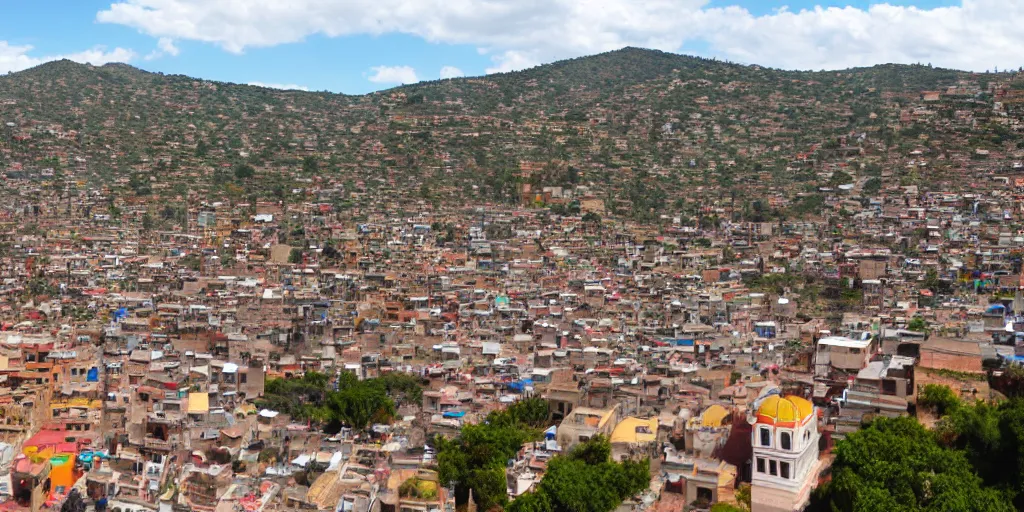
[557, 67]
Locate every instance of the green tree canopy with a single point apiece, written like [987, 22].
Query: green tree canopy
[938, 397]
[355, 403]
[897, 464]
[586, 480]
[917, 324]
[244, 172]
[476, 459]
[992, 437]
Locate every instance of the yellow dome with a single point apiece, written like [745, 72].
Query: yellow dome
[790, 409]
[713, 416]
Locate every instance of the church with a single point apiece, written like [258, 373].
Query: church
[785, 461]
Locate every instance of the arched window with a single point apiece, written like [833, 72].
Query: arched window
[786, 441]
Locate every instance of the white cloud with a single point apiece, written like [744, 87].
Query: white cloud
[975, 34]
[286, 87]
[512, 60]
[451, 72]
[164, 46]
[17, 58]
[393, 75]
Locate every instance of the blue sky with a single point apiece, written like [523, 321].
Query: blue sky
[357, 46]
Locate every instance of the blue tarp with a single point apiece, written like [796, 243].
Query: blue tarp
[453, 414]
[88, 456]
[520, 385]
[93, 375]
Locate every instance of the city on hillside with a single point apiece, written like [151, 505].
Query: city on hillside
[633, 282]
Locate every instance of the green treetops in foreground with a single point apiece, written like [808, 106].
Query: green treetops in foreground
[476, 459]
[938, 397]
[972, 461]
[585, 480]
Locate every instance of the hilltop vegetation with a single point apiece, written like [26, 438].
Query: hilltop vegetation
[642, 133]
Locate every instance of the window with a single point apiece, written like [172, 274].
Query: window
[243, 378]
[766, 436]
[760, 465]
[705, 495]
[784, 470]
[773, 468]
[786, 441]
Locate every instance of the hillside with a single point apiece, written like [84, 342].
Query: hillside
[644, 132]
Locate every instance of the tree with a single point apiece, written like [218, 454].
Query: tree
[295, 256]
[310, 165]
[405, 386]
[244, 172]
[531, 502]
[474, 459]
[531, 412]
[938, 397]
[490, 488]
[896, 464]
[595, 451]
[586, 480]
[465, 459]
[992, 437]
[356, 403]
[872, 185]
[840, 178]
[917, 324]
[359, 404]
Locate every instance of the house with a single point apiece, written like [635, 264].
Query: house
[634, 438]
[892, 376]
[583, 423]
[702, 481]
[842, 354]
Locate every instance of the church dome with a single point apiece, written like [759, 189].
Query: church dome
[713, 416]
[778, 410]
